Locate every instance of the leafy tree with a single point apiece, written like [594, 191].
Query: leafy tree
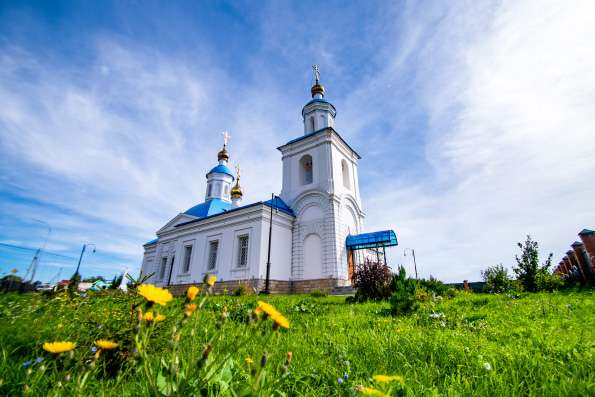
[528, 267]
[403, 299]
[92, 279]
[434, 285]
[372, 280]
[496, 279]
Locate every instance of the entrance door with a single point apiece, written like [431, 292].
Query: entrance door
[350, 264]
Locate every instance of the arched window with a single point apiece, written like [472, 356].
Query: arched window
[306, 169]
[312, 124]
[209, 188]
[226, 190]
[345, 171]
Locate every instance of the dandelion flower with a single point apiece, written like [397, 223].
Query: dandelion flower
[249, 360]
[368, 391]
[269, 309]
[281, 321]
[148, 316]
[106, 344]
[159, 317]
[211, 280]
[58, 347]
[388, 378]
[190, 308]
[155, 294]
[192, 292]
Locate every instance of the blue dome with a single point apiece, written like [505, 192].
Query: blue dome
[221, 169]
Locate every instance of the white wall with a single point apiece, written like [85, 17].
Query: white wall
[226, 228]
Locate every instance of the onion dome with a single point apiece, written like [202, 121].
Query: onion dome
[236, 191]
[317, 89]
[223, 154]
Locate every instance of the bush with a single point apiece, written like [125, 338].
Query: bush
[403, 299]
[528, 267]
[547, 281]
[434, 285]
[318, 294]
[242, 290]
[372, 280]
[496, 280]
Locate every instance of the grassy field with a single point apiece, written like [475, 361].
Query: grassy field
[473, 344]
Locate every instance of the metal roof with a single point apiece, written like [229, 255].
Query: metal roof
[308, 135]
[221, 169]
[385, 238]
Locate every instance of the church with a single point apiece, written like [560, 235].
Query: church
[309, 237]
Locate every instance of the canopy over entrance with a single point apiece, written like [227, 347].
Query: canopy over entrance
[385, 238]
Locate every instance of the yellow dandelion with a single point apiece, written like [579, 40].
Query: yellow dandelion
[269, 309]
[155, 294]
[281, 321]
[159, 317]
[388, 378]
[148, 316]
[368, 391]
[211, 280]
[249, 360]
[192, 292]
[106, 344]
[190, 308]
[58, 347]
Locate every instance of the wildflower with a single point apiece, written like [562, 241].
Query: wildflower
[159, 317]
[263, 360]
[345, 376]
[388, 378]
[106, 344]
[211, 280]
[281, 321]
[191, 293]
[155, 294]
[58, 347]
[27, 363]
[38, 360]
[289, 357]
[190, 308]
[487, 366]
[93, 349]
[368, 391]
[249, 360]
[148, 316]
[278, 318]
[340, 381]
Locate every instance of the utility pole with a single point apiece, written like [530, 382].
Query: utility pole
[414, 263]
[267, 286]
[78, 266]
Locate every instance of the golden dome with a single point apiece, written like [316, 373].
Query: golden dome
[223, 154]
[317, 89]
[236, 191]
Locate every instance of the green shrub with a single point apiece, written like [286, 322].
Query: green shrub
[528, 267]
[403, 299]
[547, 281]
[433, 285]
[496, 280]
[318, 294]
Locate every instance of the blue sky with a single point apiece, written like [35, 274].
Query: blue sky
[474, 119]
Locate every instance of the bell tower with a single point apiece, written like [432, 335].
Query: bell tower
[320, 184]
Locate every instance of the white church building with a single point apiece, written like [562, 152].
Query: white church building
[299, 236]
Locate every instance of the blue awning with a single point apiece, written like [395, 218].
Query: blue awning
[385, 238]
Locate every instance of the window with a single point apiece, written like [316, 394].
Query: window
[345, 171]
[213, 247]
[163, 266]
[312, 124]
[209, 190]
[306, 169]
[243, 251]
[226, 190]
[187, 258]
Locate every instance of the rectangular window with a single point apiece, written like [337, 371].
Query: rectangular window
[243, 251]
[213, 247]
[163, 266]
[187, 257]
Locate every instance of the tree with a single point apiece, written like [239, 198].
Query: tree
[372, 280]
[496, 279]
[528, 268]
[403, 299]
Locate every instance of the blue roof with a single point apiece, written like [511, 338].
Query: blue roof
[226, 208]
[151, 242]
[585, 232]
[221, 169]
[212, 207]
[385, 238]
[279, 205]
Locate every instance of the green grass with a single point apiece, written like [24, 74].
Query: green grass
[481, 345]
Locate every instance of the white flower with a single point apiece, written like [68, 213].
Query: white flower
[487, 366]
